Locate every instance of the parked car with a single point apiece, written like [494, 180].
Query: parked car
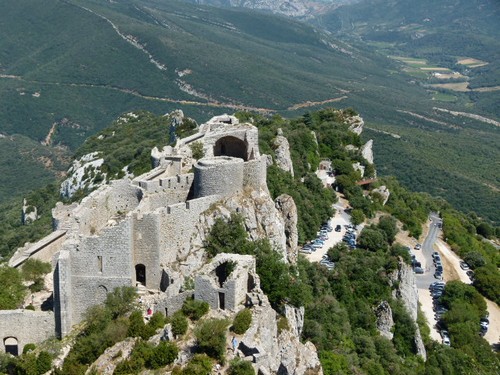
[446, 341]
[484, 323]
[306, 251]
[435, 254]
[437, 284]
[438, 275]
[439, 268]
[418, 270]
[437, 259]
[464, 266]
[418, 246]
[338, 228]
[470, 273]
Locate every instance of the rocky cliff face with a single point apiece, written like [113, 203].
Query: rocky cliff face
[288, 210]
[407, 292]
[85, 173]
[282, 151]
[278, 351]
[367, 151]
[385, 323]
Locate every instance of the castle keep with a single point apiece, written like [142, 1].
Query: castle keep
[142, 231]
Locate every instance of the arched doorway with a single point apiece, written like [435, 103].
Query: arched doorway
[140, 274]
[231, 146]
[11, 345]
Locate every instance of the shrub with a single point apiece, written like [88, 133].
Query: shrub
[242, 321]
[33, 269]
[179, 323]
[157, 321]
[29, 347]
[194, 309]
[201, 364]
[136, 326]
[43, 362]
[240, 367]
[164, 354]
[211, 337]
[197, 150]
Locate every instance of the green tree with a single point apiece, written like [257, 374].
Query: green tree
[388, 225]
[372, 239]
[12, 291]
[121, 301]
[211, 337]
[163, 354]
[242, 321]
[357, 216]
[200, 364]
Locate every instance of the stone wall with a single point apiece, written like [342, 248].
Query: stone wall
[146, 247]
[231, 292]
[99, 264]
[255, 173]
[26, 326]
[43, 250]
[98, 208]
[177, 227]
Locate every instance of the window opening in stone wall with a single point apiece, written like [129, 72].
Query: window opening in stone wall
[231, 146]
[250, 283]
[165, 281]
[11, 346]
[223, 271]
[99, 263]
[140, 274]
[222, 301]
[166, 311]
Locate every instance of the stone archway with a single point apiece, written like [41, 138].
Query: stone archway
[140, 274]
[231, 146]
[11, 345]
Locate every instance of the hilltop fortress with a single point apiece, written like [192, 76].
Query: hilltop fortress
[149, 232]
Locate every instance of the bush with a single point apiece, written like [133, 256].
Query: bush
[211, 337]
[43, 362]
[157, 321]
[29, 347]
[240, 367]
[242, 321]
[179, 324]
[201, 364]
[164, 354]
[194, 309]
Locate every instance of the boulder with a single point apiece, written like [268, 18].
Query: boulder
[288, 210]
[282, 153]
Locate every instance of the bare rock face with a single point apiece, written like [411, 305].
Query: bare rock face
[295, 317]
[29, 213]
[383, 192]
[384, 319]
[282, 152]
[288, 210]
[107, 362]
[407, 292]
[84, 173]
[367, 151]
[275, 352]
[356, 124]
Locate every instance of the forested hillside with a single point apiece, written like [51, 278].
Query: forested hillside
[74, 67]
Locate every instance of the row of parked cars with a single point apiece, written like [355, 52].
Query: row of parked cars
[350, 236]
[438, 274]
[436, 289]
[319, 242]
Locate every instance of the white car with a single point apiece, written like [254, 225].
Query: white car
[446, 341]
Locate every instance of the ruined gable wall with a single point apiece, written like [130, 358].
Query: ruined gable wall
[146, 229]
[62, 292]
[26, 326]
[98, 265]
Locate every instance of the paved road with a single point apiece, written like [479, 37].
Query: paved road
[424, 255]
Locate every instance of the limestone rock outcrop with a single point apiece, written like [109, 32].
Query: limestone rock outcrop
[85, 173]
[383, 192]
[106, 363]
[367, 151]
[275, 352]
[356, 124]
[288, 210]
[29, 213]
[384, 319]
[282, 152]
[407, 292]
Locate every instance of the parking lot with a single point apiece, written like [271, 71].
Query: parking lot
[340, 218]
